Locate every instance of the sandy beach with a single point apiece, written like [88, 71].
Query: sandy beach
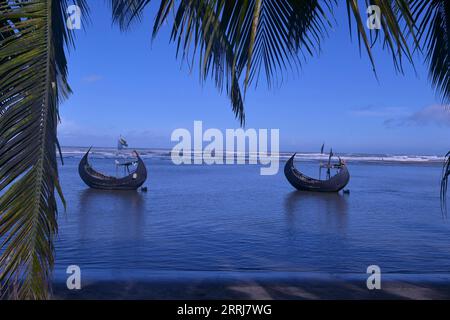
[293, 289]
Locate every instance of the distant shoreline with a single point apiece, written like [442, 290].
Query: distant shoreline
[146, 153]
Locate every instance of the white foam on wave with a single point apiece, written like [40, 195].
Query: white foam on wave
[106, 153]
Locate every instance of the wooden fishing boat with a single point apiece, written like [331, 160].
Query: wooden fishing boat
[302, 182]
[97, 180]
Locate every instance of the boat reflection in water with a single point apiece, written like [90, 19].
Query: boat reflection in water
[120, 213]
[327, 210]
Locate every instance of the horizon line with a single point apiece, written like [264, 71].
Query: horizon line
[282, 151]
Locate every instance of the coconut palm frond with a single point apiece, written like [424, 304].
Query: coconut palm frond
[267, 37]
[191, 20]
[125, 12]
[444, 183]
[233, 38]
[433, 18]
[197, 27]
[33, 69]
[396, 24]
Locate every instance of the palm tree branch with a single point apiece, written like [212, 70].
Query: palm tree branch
[397, 23]
[231, 36]
[434, 34]
[33, 37]
[444, 183]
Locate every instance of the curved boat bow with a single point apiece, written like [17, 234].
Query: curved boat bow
[302, 182]
[98, 180]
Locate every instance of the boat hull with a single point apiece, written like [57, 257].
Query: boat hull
[302, 182]
[97, 180]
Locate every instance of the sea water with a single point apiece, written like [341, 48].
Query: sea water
[217, 219]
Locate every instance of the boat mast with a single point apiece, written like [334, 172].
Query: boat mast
[121, 144]
[321, 164]
[329, 164]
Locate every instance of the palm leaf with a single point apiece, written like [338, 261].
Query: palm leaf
[434, 32]
[397, 24]
[197, 23]
[33, 69]
[444, 183]
[232, 37]
[265, 38]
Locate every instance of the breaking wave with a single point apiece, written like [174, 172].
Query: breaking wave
[164, 154]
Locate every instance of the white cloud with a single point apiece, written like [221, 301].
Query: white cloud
[92, 78]
[379, 112]
[431, 115]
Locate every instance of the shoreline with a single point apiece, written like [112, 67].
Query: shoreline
[314, 157]
[252, 290]
[220, 286]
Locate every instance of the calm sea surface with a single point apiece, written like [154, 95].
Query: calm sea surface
[229, 218]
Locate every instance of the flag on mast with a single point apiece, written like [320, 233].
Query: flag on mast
[122, 143]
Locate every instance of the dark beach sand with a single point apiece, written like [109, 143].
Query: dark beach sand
[253, 290]
[304, 287]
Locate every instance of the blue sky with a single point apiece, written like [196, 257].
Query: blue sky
[126, 84]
